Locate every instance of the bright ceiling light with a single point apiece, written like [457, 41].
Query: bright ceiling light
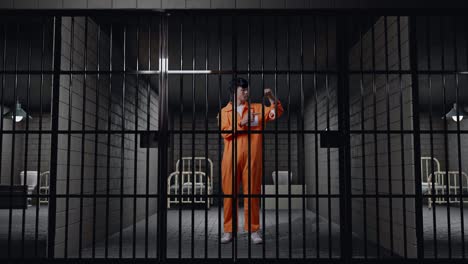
[456, 113]
[17, 114]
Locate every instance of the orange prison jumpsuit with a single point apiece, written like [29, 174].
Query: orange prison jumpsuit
[241, 168]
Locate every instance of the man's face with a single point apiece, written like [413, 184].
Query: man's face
[242, 94]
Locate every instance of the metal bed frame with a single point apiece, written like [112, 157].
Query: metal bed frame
[443, 181]
[182, 180]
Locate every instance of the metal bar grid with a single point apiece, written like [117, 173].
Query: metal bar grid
[164, 131]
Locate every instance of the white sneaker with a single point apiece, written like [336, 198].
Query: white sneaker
[226, 238]
[256, 238]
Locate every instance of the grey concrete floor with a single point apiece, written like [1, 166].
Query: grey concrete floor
[271, 240]
[206, 240]
[30, 228]
[274, 244]
[445, 236]
[432, 247]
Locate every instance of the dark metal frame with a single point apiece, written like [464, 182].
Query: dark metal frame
[343, 73]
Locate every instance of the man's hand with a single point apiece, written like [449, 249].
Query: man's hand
[268, 93]
[245, 120]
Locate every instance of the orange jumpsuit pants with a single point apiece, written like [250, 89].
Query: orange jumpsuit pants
[241, 168]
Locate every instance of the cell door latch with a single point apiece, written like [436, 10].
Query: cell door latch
[331, 139]
[149, 139]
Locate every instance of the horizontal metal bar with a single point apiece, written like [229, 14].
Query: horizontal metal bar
[320, 195]
[423, 72]
[175, 72]
[318, 131]
[82, 195]
[90, 72]
[323, 12]
[228, 260]
[402, 11]
[254, 72]
[204, 71]
[230, 72]
[239, 195]
[191, 72]
[202, 131]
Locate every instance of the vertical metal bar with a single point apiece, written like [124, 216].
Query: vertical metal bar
[460, 179]
[288, 77]
[135, 164]
[206, 196]
[447, 161]
[249, 150]
[161, 233]
[160, 250]
[328, 149]
[263, 139]
[181, 117]
[96, 137]
[28, 94]
[70, 100]
[344, 151]
[363, 138]
[13, 136]
[402, 138]
[234, 149]
[389, 143]
[39, 149]
[148, 123]
[220, 191]
[57, 53]
[2, 99]
[83, 138]
[376, 160]
[163, 132]
[109, 123]
[416, 135]
[429, 67]
[193, 176]
[276, 138]
[301, 154]
[122, 139]
[317, 229]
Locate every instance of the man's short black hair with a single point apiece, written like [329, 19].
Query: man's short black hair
[236, 83]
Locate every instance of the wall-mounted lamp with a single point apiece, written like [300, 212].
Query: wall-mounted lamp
[18, 114]
[456, 115]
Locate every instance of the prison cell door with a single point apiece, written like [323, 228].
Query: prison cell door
[295, 56]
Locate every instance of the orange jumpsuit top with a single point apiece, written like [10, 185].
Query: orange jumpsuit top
[242, 139]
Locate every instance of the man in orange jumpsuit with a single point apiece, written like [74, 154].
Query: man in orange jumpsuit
[240, 115]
